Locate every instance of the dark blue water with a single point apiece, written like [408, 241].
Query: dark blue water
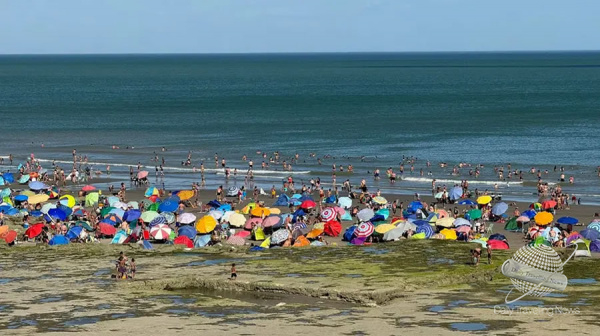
[527, 109]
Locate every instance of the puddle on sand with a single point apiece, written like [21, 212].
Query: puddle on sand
[51, 299]
[210, 262]
[586, 281]
[104, 271]
[81, 321]
[468, 326]
[377, 251]
[6, 280]
[452, 304]
[353, 275]
[22, 323]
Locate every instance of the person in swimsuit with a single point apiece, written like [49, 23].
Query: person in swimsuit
[132, 267]
[233, 272]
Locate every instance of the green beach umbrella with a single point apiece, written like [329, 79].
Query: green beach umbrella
[105, 211]
[474, 213]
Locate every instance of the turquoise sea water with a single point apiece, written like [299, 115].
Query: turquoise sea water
[527, 109]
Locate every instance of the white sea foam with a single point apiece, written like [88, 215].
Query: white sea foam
[451, 181]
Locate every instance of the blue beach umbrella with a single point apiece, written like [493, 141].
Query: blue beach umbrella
[415, 205]
[467, 202]
[58, 240]
[57, 214]
[590, 234]
[499, 208]
[158, 220]
[132, 215]
[37, 185]
[188, 231]
[24, 179]
[36, 213]
[349, 233]
[456, 193]
[426, 229]
[21, 198]
[529, 213]
[567, 220]
[147, 245]
[201, 241]
[1, 180]
[74, 232]
[169, 205]
[5, 208]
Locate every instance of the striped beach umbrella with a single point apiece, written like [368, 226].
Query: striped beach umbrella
[364, 229]
[160, 231]
[594, 226]
[426, 229]
[328, 214]
[158, 220]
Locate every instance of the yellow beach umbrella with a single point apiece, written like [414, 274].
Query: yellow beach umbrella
[275, 211]
[39, 198]
[27, 193]
[445, 222]
[67, 200]
[485, 199]
[185, 195]
[543, 218]
[449, 234]
[320, 226]
[260, 212]
[383, 228]
[379, 200]
[206, 224]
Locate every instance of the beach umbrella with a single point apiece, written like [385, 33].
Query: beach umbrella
[117, 212]
[151, 191]
[567, 220]
[529, 213]
[498, 236]
[523, 219]
[439, 195]
[236, 240]
[160, 232]
[157, 220]
[206, 224]
[119, 237]
[148, 216]
[216, 214]
[364, 229]
[226, 216]
[550, 204]
[333, 228]
[590, 234]
[455, 193]
[133, 205]
[91, 199]
[595, 246]
[449, 234]
[188, 231]
[58, 240]
[3, 230]
[298, 226]
[314, 233]
[252, 222]
[120, 205]
[499, 208]
[485, 199]
[393, 234]
[39, 198]
[463, 229]
[536, 206]
[10, 236]
[308, 204]
[445, 222]
[543, 218]
[37, 185]
[594, 226]
[107, 229]
[23, 179]
[425, 229]
[88, 188]
[105, 211]
[131, 215]
[142, 174]
[169, 205]
[467, 202]
[498, 244]
[84, 225]
[474, 214]
[405, 226]
[328, 214]
[260, 212]
[573, 237]
[8, 177]
[301, 241]
[112, 200]
[279, 236]
[68, 200]
[317, 243]
[358, 241]
[21, 198]
[383, 228]
[415, 205]
[349, 233]
[34, 230]
[5, 208]
[201, 241]
[461, 222]
[187, 218]
[380, 200]
[237, 220]
[183, 240]
[272, 221]
[57, 214]
[330, 200]
[74, 232]
[185, 195]
[345, 202]
[169, 216]
[365, 214]
[243, 234]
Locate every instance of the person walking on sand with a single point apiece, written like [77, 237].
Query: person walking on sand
[233, 272]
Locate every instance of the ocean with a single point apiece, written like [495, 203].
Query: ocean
[365, 109]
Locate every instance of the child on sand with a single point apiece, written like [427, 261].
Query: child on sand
[132, 268]
[233, 272]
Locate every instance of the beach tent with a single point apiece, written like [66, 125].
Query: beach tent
[512, 225]
[584, 247]
[282, 200]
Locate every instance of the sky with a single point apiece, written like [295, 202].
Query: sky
[250, 26]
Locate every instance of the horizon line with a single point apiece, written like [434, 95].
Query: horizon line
[309, 52]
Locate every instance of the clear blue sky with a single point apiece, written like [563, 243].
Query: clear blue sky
[232, 26]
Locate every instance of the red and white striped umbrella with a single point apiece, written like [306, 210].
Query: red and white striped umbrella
[364, 229]
[328, 214]
[160, 231]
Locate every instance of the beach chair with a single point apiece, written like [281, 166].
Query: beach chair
[490, 228]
